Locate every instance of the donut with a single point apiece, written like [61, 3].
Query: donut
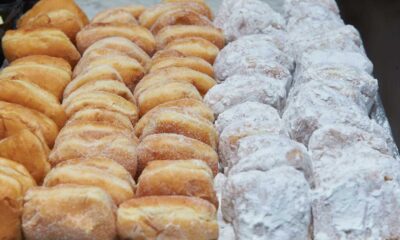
[134, 10]
[110, 86]
[94, 139]
[102, 100]
[179, 17]
[191, 178]
[192, 218]
[61, 19]
[102, 116]
[101, 72]
[123, 46]
[45, 6]
[32, 120]
[44, 60]
[17, 147]
[39, 41]
[130, 70]
[72, 211]
[171, 33]
[97, 31]
[170, 121]
[195, 47]
[200, 80]
[31, 96]
[98, 172]
[194, 63]
[169, 146]
[119, 16]
[160, 55]
[49, 78]
[152, 14]
[15, 181]
[163, 92]
[188, 106]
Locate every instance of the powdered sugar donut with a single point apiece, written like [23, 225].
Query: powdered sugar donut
[244, 111]
[314, 108]
[244, 17]
[237, 130]
[252, 53]
[243, 88]
[334, 75]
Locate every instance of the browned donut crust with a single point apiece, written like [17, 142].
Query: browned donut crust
[45, 6]
[190, 177]
[194, 63]
[39, 41]
[151, 15]
[179, 17]
[133, 10]
[16, 117]
[169, 146]
[119, 16]
[97, 31]
[196, 47]
[192, 218]
[171, 33]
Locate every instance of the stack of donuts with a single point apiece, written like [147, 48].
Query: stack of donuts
[132, 111]
[328, 110]
[40, 54]
[265, 189]
[177, 157]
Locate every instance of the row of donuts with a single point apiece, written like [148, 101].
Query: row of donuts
[328, 110]
[97, 156]
[177, 157]
[265, 191]
[40, 56]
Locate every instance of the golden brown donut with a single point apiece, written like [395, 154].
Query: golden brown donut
[102, 116]
[68, 212]
[110, 86]
[98, 172]
[130, 69]
[10, 208]
[97, 31]
[192, 178]
[200, 80]
[196, 47]
[194, 63]
[169, 146]
[35, 121]
[171, 33]
[45, 6]
[121, 16]
[179, 17]
[44, 60]
[189, 106]
[39, 41]
[201, 2]
[171, 121]
[18, 172]
[152, 14]
[165, 53]
[123, 46]
[94, 139]
[23, 144]
[61, 19]
[102, 100]
[14, 182]
[101, 72]
[49, 78]
[133, 10]
[192, 218]
[163, 92]
[31, 96]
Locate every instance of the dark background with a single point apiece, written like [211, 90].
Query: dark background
[379, 24]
